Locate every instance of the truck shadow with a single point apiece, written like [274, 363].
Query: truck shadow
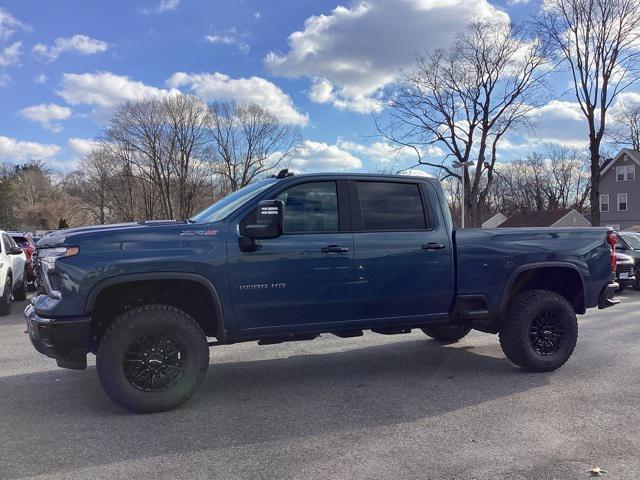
[247, 402]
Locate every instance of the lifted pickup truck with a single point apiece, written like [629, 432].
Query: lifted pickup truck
[292, 257]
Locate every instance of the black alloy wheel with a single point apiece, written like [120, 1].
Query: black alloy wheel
[546, 333]
[154, 363]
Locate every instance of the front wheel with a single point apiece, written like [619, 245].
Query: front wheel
[20, 293]
[152, 358]
[447, 333]
[540, 330]
[5, 299]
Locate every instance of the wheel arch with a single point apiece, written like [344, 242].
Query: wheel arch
[103, 286]
[543, 275]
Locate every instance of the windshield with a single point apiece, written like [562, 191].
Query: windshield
[223, 207]
[632, 240]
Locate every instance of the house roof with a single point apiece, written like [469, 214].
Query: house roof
[609, 162]
[536, 218]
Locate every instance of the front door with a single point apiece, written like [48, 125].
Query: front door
[305, 276]
[403, 256]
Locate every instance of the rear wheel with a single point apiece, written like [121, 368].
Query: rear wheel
[447, 333]
[540, 330]
[152, 358]
[5, 299]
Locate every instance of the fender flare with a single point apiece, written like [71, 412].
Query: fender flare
[534, 266]
[99, 287]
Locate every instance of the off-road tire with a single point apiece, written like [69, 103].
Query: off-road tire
[516, 337]
[20, 293]
[5, 299]
[447, 333]
[144, 321]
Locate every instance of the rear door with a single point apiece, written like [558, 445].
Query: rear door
[403, 257]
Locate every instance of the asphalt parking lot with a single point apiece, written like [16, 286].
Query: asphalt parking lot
[372, 407]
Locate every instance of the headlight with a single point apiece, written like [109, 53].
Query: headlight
[48, 256]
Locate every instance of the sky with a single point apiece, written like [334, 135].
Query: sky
[65, 65]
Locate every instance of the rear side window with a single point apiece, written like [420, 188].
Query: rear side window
[310, 208]
[391, 206]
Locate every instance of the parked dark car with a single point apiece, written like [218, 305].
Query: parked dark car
[625, 271]
[28, 247]
[629, 244]
[292, 257]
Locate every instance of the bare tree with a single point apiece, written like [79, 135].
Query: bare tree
[163, 143]
[626, 129]
[555, 179]
[464, 99]
[248, 141]
[599, 41]
[96, 171]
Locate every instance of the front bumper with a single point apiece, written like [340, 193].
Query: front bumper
[606, 296]
[64, 339]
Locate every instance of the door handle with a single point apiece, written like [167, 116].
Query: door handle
[433, 246]
[334, 249]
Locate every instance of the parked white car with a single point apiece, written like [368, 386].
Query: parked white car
[13, 282]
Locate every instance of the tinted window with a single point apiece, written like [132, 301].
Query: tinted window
[21, 241]
[391, 206]
[6, 242]
[310, 207]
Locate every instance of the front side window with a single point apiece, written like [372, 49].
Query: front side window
[622, 202]
[310, 208]
[604, 203]
[6, 242]
[391, 206]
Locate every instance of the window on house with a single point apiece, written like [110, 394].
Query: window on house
[622, 202]
[625, 173]
[604, 203]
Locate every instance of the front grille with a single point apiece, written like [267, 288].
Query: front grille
[625, 268]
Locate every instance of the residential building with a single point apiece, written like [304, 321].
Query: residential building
[620, 190]
[568, 217]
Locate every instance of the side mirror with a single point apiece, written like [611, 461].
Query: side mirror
[269, 220]
[15, 251]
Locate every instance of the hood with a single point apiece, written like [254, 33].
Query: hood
[113, 232]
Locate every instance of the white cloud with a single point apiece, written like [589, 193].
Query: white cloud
[77, 43]
[218, 86]
[561, 123]
[416, 172]
[379, 151]
[47, 114]
[353, 52]
[105, 90]
[229, 37]
[5, 80]
[517, 2]
[82, 146]
[13, 150]
[10, 54]
[9, 24]
[257, 15]
[42, 78]
[164, 6]
[320, 157]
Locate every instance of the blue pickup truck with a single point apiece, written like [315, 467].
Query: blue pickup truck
[295, 256]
